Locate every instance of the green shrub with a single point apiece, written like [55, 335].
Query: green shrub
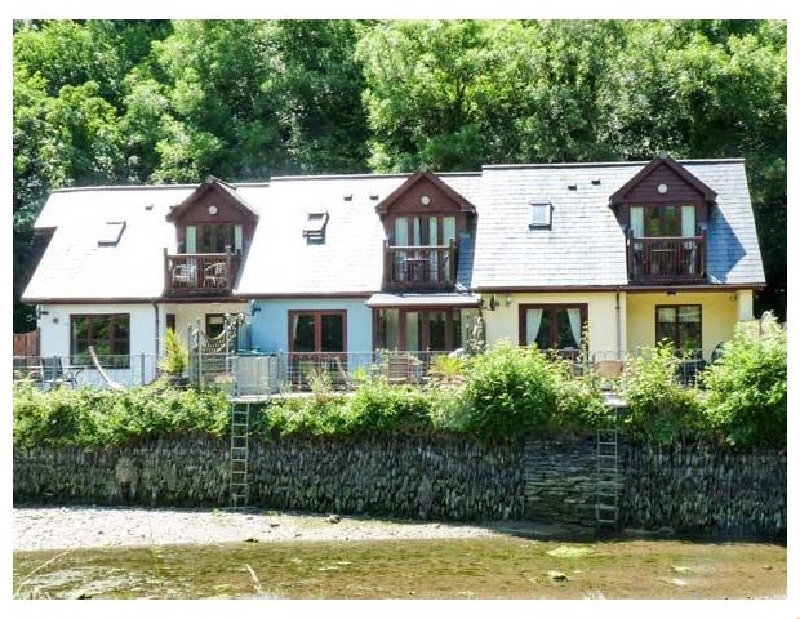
[92, 417]
[379, 406]
[312, 416]
[746, 389]
[509, 391]
[176, 358]
[580, 404]
[659, 407]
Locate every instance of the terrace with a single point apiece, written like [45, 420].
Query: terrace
[249, 374]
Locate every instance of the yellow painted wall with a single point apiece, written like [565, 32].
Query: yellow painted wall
[720, 311]
[502, 324]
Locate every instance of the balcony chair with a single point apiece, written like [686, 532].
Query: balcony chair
[216, 275]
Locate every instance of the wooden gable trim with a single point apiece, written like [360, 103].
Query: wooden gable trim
[620, 195]
[423, 173]
[210, 184]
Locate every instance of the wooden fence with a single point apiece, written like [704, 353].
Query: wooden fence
[26, 344]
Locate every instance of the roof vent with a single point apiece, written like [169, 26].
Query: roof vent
[111, 234]
[348, 197]
[373, 196]
[541, 216]
[148, 207]
[573, 187]
[596, 182]
[314, 230]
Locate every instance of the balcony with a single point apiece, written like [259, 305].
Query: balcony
[419, 268]
[666, 260]
[200, 274]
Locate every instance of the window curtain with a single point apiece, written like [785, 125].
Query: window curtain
[191, 240]
[238, 245]
[574, 315]
[434, 256]
[688, 229]
[533, 320]
[400, 239]
[637, 221]
[687, 220]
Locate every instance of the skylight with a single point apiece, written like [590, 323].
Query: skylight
[541, 215]
[111, 233]
[314, 230]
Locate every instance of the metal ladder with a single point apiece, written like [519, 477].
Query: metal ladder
[607, 497]
[240, 425]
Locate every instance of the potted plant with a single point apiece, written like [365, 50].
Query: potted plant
[176, 359]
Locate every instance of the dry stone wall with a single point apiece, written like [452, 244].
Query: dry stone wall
[419, 476]
[689, 487]
[693, 487]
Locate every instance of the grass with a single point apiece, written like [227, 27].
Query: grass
[504, 567]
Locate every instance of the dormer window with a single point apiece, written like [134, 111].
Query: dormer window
[111, 234]
[541, 215]
[314, 230]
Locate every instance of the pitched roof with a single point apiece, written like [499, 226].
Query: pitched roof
[708, 193]
[424, 174]
[282, 261]
[75, 267]
[210, 184]
[585, 246]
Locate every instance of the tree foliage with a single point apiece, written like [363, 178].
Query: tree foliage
[103, 101]
[747, 388]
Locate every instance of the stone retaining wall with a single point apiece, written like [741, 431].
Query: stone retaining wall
[689, 487]
[420, 476]
[693, 487]
[560, 478]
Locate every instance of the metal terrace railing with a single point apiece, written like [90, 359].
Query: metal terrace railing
[52, 371]
[259, 374]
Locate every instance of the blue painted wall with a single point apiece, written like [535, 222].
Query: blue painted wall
[270, 325]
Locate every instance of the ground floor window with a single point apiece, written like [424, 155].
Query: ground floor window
[108, 334]
[551, 326]
[423, 329]
[681, 325]
[318, 331]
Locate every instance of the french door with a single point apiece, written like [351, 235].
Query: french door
[317, 345]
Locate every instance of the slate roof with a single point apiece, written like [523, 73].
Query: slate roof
[74, 267]
[584, 247]
[282, 262]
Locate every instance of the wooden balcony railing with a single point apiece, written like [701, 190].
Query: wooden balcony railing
[200, 274]
[428, 267]
[666, 259]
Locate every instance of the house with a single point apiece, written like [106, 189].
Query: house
[629, 252]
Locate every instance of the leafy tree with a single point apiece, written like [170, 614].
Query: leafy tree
[112, 101]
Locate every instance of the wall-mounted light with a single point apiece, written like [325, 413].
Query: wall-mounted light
[491, 305]
[508, 300]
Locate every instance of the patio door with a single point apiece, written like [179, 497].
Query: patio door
[317, 344]
[418, 330]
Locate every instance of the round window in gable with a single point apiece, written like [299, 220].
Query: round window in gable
[212, 210]
[425, 200]
[662, 188]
